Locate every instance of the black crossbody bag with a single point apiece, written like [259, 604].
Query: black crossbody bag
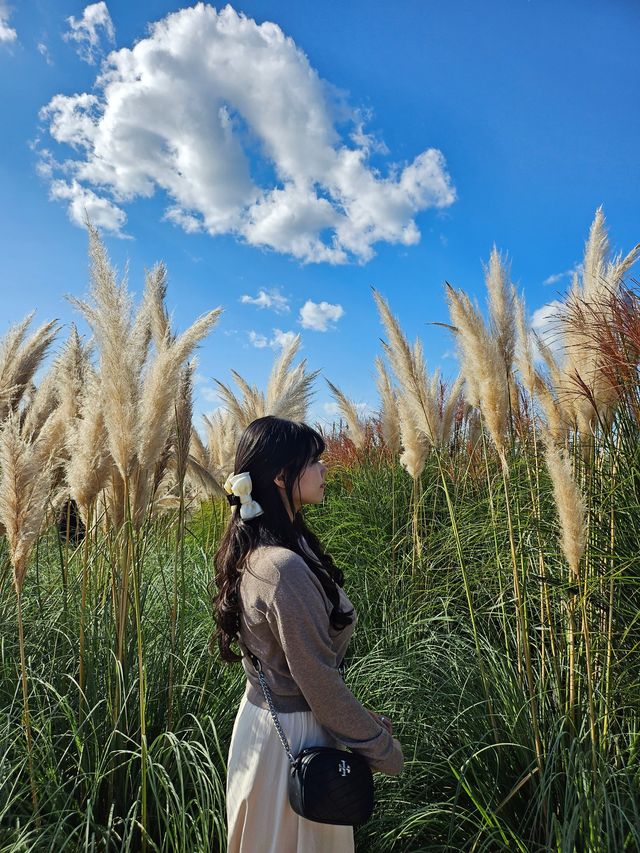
[326, 785]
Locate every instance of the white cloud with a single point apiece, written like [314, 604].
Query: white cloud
[209, 394]
[259, 341]
[558, 276]
[181, 111]
[318, 315]
[363, 409]
[546, 324]
[279, 340]
[43, 50]
[7, 33]
[282, 339]
[91, 31]
[84, 202]
[268, 299]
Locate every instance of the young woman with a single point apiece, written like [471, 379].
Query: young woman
[281, 593]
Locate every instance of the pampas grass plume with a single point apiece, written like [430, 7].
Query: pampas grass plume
[482, 365]
[570, 504]
[389, 420]
[24, 492]
[357, 432]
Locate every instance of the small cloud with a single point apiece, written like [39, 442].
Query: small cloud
[43, 50]
[7, 33]
[449, 354]
[546, 323]
[279, 339]
[199, 379]
[365, 410]
[90, 31]
[257, 340]
[368, 142]
[84, 202]
[282, 339]
[209, 394]
[558, 276]
[318, 315]
[331, 408]
[268, 299]
[187, 221]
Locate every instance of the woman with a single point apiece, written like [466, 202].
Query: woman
[282, 594]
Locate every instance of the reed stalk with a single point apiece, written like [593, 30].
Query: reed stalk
[521, 618]
[469, 598]
[25, 699]
[83, 610]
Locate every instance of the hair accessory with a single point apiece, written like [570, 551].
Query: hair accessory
[240, 486]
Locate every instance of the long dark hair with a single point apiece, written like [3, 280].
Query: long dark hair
[267, 447]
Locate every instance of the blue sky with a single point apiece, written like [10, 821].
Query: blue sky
[311, 151]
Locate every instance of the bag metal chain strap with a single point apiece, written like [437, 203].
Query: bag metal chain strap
[267, 695]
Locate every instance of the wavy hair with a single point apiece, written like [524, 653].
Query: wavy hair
[268, 447]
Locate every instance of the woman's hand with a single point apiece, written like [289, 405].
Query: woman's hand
[384, 721]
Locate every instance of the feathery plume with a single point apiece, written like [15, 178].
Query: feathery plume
[570, 504]
[411, 372]
[122, 345]
[415, 445]
[19, 360]
[24, 491]
[357, 432]
[89, 462]
[501, 302]
[389, 421]
[482, 366]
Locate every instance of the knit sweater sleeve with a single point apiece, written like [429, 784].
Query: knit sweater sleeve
[298, 617]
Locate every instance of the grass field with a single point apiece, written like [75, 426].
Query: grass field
[489, 532]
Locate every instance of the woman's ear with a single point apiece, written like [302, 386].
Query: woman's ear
[279, 480]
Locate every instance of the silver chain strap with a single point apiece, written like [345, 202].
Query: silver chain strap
[267, 695]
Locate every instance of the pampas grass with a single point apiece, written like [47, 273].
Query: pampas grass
[287, 396]
[389, 419]
[348, 408]
[587, 387]
[24, 490]
[89, 461]
[411, 373]
[126, 720]
[483, 367]
[571, 508]
[501, 303]
[19, 360]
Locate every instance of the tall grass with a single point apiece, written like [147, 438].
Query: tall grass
[488, 532]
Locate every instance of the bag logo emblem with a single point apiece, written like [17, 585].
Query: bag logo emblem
[343, 768]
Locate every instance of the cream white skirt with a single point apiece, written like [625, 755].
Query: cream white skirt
[259, 817]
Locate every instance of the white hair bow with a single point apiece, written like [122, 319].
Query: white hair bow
[240, 486]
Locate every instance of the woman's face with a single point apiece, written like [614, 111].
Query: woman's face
[309, 487]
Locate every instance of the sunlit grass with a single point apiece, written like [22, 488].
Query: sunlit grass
[471, 779]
